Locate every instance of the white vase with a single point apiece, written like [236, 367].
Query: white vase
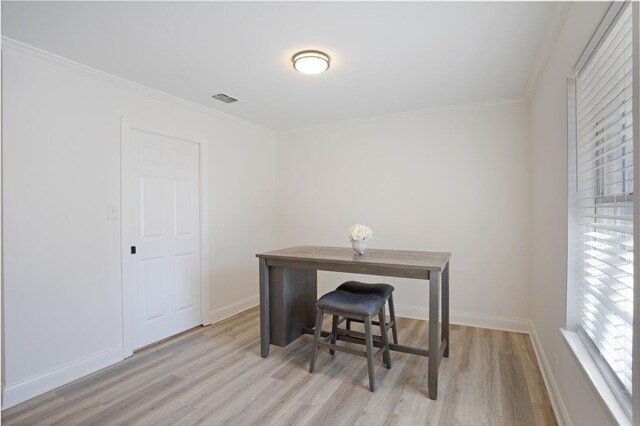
[359, 246]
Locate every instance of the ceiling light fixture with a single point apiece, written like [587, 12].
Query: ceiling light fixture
[311, 62]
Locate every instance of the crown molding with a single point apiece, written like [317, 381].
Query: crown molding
[34, 53]
[390, 116]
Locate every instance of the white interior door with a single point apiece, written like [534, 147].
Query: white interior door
[164, 272]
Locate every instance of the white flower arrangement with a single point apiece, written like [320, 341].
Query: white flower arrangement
[359, 232]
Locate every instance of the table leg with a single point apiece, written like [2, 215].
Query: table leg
[265, 338]
[434, 338]
[445, 309]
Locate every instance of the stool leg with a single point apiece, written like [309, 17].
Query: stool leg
[386, 355]
[392, 314]
[334, 332]
[369, 344]
[316, 340]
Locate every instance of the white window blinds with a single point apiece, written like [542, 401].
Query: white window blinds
[604, 162]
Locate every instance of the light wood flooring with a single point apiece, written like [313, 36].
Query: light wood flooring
[214, 375]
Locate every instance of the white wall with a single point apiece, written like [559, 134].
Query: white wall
[61, 170]
[549, 219]
[486, 182]
[448, 179]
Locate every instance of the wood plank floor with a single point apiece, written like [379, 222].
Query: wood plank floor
[214, 375]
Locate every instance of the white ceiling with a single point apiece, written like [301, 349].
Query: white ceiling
[386, 57]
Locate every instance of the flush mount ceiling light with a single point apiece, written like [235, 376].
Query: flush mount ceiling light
[311, 62]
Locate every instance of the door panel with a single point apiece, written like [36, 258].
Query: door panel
[184, 281]
[152, 302]
[184, 215]
[151, 204]
[164, 225]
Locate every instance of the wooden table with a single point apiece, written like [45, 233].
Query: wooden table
[288, 293]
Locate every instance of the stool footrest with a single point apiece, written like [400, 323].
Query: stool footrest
[358, 334]
[389, 324]
[346, 349]
[328, 338]
[378, 352]
[352, 351]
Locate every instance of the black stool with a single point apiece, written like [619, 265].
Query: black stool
[361, 307]
[384, 291]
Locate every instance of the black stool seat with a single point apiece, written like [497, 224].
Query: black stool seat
[352, 306]
[381, 290]
[384, 291]
[350, 303]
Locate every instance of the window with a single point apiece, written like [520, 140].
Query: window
[601, 201]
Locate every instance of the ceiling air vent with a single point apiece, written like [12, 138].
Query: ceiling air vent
[224, 98]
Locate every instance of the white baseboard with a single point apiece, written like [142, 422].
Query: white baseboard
[507, 324]
[231, 309]
[18, 392]
[464, 318]
[26, 389]
[562, 415]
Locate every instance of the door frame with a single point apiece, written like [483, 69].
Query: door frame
[152, 126]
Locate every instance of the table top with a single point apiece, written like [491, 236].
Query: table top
[374, 258]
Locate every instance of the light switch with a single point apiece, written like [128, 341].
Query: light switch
[112, 213]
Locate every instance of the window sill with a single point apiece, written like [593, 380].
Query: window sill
[595, 377]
